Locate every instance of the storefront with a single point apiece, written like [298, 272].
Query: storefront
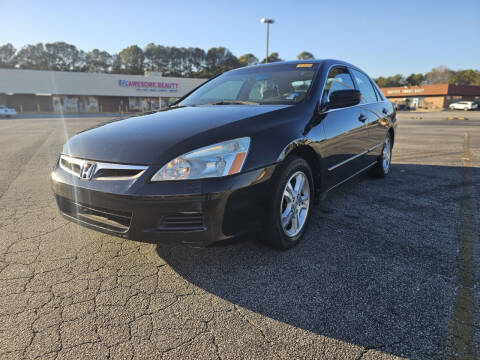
[75, 92]
[437, 96]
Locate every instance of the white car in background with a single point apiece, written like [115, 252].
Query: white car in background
[463, 105]
[6, 112]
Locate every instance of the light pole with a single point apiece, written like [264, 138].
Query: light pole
[268, 22]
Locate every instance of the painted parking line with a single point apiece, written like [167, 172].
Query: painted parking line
[461, 327]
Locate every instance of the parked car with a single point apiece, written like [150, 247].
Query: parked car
[463, 105]
[250, 150]
[6, 112]
[403, 105]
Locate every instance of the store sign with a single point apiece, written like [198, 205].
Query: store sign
[405, 91]
[149, 85]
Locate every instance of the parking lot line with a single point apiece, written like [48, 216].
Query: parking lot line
[462, 331]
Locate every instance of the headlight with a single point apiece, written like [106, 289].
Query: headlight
[225, 158]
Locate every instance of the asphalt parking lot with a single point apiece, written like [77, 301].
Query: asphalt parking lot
[387, 269]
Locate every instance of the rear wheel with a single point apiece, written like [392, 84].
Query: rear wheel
[290, 207]
[382, 167]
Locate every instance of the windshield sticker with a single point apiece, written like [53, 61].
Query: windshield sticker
[304, 65]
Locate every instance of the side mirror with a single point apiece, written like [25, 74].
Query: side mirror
[344, 98]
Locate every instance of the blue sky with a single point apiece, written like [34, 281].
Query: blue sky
[382, 37]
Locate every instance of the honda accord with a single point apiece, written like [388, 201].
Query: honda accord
[250, 150]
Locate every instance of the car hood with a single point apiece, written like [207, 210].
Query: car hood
[159, 137]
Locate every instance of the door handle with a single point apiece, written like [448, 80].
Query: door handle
[362, 118]
[385, 111]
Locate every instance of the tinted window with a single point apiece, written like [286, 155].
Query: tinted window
[272, 84]
[338, 79]
[365, 87]
[379, 92]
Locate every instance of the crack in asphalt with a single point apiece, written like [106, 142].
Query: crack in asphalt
[368, 281]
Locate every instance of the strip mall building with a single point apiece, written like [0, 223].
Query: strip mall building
[55, 91]
[437, 96]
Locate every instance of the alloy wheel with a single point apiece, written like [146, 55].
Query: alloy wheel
[295, 204]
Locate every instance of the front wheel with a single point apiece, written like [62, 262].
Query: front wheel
[382, 167]
[290, 207]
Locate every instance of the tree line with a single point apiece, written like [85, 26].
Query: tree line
[438, 75]
[182, 62]
[169, 60]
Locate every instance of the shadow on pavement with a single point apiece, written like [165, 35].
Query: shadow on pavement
[376, 268]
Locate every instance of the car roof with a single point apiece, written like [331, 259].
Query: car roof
[327, 62]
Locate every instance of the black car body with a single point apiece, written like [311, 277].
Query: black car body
[104, 179]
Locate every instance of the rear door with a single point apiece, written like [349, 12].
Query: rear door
[373, 107]
[346, 133]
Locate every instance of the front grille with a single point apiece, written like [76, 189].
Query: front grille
[112, 220]
[70, 165]
[110, 174]
[101, 170]
[183, 222]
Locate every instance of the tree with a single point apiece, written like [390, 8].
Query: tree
[414, 79]
[130, 60]
[32, 57]
[175, 61]
[61, 56]
[193, 61]
[218, 60]
[273, 57]
[247, 60]
[305, 55]
[156, 58]
[439, 75]
[395, 80]
[7, 56]
[465, 77]
[381, 81]
[197, 58]
[98, 61]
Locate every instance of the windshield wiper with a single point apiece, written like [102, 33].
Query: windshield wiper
[233, 102]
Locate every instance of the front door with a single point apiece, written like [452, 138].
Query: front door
[346, 132]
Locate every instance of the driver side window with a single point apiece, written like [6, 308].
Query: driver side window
[338, 79]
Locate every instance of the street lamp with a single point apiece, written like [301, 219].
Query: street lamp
[268, 22]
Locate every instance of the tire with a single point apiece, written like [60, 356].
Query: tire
[382, 167]
[285, 236]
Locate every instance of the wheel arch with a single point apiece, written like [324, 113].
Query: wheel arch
[391, 132]
[302, 149]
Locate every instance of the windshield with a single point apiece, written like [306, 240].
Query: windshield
[275, 84]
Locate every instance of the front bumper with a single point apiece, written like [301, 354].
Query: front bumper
[198, 212]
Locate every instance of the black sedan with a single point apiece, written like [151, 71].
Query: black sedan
[250, 150]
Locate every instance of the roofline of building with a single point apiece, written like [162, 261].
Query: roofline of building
[431, 90]
[80, 73]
